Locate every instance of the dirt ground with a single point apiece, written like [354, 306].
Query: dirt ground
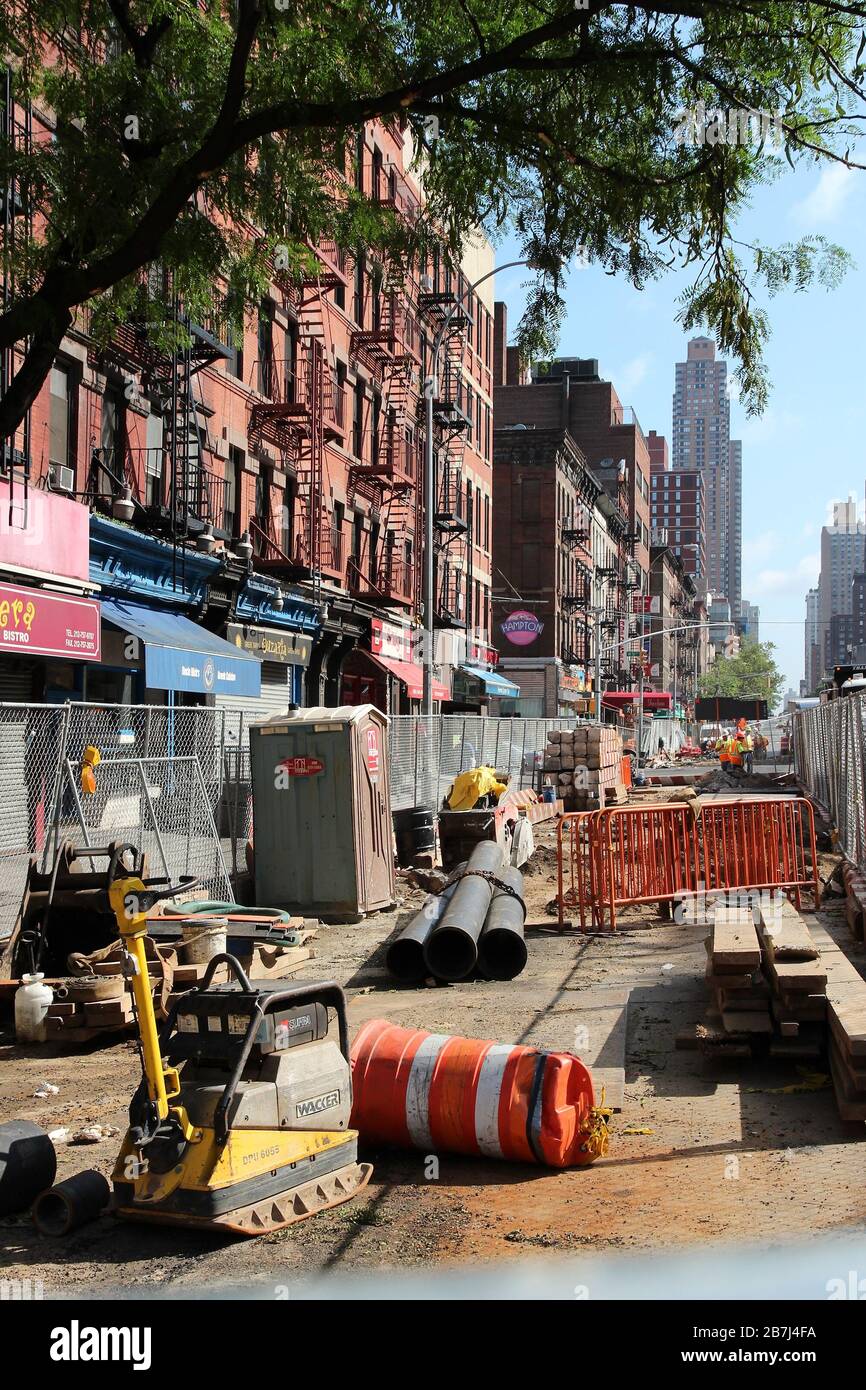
[727, 1153]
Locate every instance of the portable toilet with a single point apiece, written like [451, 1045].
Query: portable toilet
[322, 811]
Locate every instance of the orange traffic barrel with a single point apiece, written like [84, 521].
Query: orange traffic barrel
[434, 1091]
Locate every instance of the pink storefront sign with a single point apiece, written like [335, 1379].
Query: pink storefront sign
[36, 623]
[43, 532]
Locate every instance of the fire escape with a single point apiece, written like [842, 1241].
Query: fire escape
[16, 132]
[176, 488]
[385, 470]
[577, 598]
[620, 581]
[452, 425]
[300, 406]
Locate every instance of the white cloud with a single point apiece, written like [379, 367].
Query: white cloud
[629, 377]
[791, 582]
[758, 549]
[827, 199]
[772, 425]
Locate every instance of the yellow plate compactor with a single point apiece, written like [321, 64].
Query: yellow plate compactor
[241, 1120]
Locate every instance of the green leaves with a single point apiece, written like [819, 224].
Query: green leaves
[752, 673]
[628, 135]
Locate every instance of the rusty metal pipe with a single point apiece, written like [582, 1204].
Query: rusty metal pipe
[451, 949]
[405, 955]
[501, 948]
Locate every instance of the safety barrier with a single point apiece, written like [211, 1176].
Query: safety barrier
[627, 856]
[760, 844]
[434, 1092]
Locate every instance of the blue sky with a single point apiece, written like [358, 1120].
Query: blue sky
[807, 449]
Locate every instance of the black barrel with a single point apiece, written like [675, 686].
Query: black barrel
[501, 948]
[414, 834]
[405, 956]
[71, 1203]
[28, 1164]
[451, 949]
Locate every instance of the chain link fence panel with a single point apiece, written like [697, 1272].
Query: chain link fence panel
[196, 797]
[830, 761]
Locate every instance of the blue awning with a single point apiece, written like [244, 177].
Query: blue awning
[493, 683]
[180, 655]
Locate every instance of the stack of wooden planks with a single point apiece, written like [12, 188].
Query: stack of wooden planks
[767, 984]
[738, 990]
[846, 1032]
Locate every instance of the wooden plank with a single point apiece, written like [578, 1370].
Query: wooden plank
[851, 1104]
[735, 940]
[798, 976]
[741, 1022]
[785, 935]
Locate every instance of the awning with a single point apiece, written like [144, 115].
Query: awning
[180, 655]
[493, 683]
[411, 675]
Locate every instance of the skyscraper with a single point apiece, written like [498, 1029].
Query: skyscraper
[702, 440]
[842, 556]
[814, 661]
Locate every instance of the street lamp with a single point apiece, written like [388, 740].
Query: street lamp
[431, 388]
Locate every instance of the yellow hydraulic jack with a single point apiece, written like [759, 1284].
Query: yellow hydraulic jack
[241, 1120]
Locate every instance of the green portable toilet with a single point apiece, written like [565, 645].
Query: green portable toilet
[322, 812]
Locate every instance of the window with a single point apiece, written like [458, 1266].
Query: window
[265, 352]
[235, 360]
[154, 460]
[358, 421]
[113, 436]
[61, 449]
[234, 477]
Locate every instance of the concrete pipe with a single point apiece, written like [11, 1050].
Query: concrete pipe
[28, 1164]
[501, 947]
[451, 949]
[71, 1203]
[405, 955]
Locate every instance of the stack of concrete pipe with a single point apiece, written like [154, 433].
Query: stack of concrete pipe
[474, 926]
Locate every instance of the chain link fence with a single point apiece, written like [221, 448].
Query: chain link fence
[830, 761]
[176, 781]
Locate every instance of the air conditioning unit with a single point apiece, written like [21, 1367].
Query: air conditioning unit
[61, 477]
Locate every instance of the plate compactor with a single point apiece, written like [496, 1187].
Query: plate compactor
[241, 1120]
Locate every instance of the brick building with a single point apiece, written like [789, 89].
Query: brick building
[544, 500]
[678, 518]
[257, 502]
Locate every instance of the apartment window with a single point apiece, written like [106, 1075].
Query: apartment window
[358, 421]
[486, 522]
[357, 536]
[234, 482]
[265, 352]
[360, 152]
[62, 424]
[235, 359]
[358, 300]
[375, 531]
[113, 433]
[154, 460]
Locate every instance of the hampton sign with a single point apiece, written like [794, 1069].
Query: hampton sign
[521, 627]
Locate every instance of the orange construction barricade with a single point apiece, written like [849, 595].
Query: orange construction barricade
[434, 1091]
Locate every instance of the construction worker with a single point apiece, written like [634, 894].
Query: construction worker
[747, 746]
[722, 751]
[735, 754]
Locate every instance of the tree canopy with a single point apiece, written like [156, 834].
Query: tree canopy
[589, 128]
[753, 672]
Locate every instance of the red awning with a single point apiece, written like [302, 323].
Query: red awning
[652, 699]
[412, 677]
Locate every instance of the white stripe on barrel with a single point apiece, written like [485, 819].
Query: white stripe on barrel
[487, 1096]
[418, 1089]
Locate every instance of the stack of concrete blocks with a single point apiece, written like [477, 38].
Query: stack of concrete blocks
[585, 766]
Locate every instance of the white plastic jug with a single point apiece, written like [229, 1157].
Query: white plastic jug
[32, 1001]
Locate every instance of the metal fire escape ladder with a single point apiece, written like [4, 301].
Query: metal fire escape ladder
[17, 225]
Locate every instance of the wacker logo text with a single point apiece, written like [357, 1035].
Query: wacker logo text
[317, 1104]
[77, 1343]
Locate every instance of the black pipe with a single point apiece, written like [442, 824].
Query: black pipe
[451, 950]
[405, 956]
[71, 1203]
[501, 948]
[28, 1164]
